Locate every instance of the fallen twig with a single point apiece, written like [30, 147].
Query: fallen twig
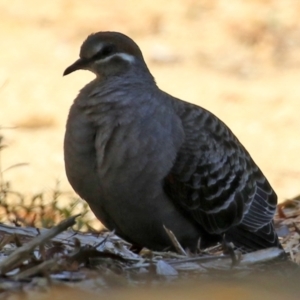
[175, 242]
[42, 267]
[23, 252]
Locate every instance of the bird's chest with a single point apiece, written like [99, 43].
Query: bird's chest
[125, 151]
[119, 153]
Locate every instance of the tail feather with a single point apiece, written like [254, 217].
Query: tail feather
[248, 241]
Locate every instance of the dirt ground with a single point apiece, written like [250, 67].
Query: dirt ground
[239, 59]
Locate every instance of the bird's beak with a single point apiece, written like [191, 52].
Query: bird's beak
[77, 65]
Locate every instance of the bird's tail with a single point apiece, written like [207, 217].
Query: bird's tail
[247, 241]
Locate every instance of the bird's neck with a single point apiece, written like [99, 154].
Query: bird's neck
[121, 98]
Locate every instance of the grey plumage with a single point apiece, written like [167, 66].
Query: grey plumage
[143, 159]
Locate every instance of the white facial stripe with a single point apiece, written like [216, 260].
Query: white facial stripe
[124, 56]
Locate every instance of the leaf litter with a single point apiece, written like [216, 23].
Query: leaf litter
[30, 257]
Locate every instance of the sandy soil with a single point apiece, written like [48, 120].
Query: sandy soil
[239, 60]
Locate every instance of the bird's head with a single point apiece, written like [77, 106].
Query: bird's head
[106, 54]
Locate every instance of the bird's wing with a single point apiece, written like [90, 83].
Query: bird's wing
[215, 179]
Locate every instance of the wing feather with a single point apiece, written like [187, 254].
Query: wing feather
[216, 181]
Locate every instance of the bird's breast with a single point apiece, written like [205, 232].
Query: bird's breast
[128, 151]
[120, 153]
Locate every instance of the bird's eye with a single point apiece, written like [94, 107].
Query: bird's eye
[104, 52]
[108, 50]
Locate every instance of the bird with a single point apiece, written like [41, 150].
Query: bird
[143, 159]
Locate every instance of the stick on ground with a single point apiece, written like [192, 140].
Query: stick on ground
[22, 253]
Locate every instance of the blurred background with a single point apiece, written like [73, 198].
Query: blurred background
[238, 59]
